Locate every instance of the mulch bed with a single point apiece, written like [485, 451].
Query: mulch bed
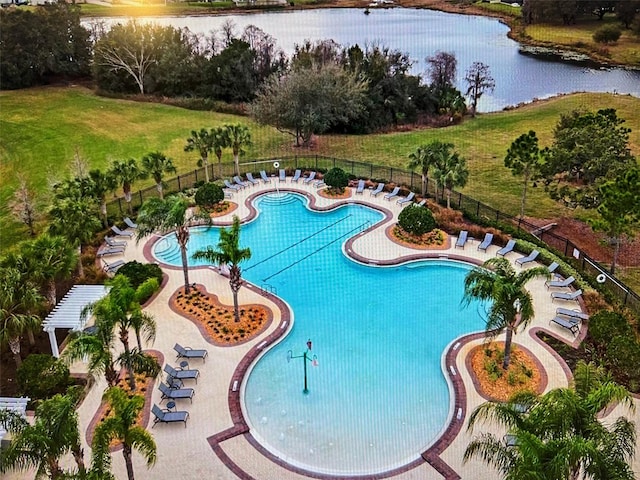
[327, 193]
[222, 209]
[216, 321]
[428, 241]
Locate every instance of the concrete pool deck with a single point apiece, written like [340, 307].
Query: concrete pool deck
[215, 443]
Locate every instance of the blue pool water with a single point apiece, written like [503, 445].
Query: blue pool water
[378, 397]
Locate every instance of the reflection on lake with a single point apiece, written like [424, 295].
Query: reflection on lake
[421, 33]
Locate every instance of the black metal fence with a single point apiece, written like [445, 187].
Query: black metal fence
[572, 253]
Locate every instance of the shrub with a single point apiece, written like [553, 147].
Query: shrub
[147, 289]
[138, 273]
[623, 353]
[606, 325]
[208, 195]
[337, 179]
[607, 34]
[416, 220]
[41, 376]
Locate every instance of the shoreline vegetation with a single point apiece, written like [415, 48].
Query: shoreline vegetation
[566, 43]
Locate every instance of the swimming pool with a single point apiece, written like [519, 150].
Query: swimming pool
[378, 397]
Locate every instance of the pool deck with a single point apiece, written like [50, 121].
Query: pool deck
[216, 444]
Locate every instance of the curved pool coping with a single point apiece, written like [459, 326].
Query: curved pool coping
[457, 411]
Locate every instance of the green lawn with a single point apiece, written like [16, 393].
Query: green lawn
[42, 129]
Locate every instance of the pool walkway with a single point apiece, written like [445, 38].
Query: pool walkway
[216, 444]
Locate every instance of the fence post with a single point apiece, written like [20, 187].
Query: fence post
[519, 222]
[566, 246]
[391, 175]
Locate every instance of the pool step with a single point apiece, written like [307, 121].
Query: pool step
[279, 198]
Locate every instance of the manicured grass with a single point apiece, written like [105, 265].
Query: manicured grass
[43, 128]
[501, 8]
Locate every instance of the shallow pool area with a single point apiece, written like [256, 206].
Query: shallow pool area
[378, 396]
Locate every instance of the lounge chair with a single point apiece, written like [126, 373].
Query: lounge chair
[130, 223]
[121, 233]
[572, 313]
[188, 352]
[379, 188]
[115, 243]
[392, 194]
[241, 183]
[103, 252]
[407, 199]
[319, 183]
[251, 179]
[507, 248]
[282, 175]
[553, 267]
[560, 283]
[529, 258]
[296, 176]
[570, 324]
[112, 267]
[310, 178]
[462, 239]
[486, 242]
[230, 186]
[167, 416]
[169, 393]
[264, 177]
[181, 374]
[573, 296]
[510, 440]
[360, 187]
[422, 203]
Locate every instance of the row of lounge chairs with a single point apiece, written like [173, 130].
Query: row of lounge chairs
[174, 389]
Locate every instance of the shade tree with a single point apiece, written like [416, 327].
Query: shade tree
[525, 158]
[157, 164]
[202, 141]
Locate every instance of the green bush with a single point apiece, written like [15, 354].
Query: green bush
[147, 289]
[623, 355]
[337, 179]
[41, 376]
[138, 273]
[605, 326]
[209, 195]
[416, 220]
[607, 34]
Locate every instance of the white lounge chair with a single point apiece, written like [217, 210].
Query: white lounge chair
[115, 243]
[231, 186]
[360, 187]
[392, 194]
[112, 267]
[422, 203]
[569, 324]
[560, 283]
[529, 258]
[103, 252]
[486, 242]
[264, 177]
[462, 239]
[282, 175]
[251, 179]
[121, 233]
[572, 313]
[507, 248]
[573, 296]
[553, 267]
[407, 199]
[310, 178]
[378, 189]
[296, 176]
[241, 183]
[130, 223]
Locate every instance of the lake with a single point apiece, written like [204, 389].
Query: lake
[421, 33]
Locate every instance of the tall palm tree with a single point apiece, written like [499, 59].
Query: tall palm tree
[122, 426]
[19, 299]
[100, 185]
[127, 172]
[558, 435]
[202, 142]
[218, 143]
[229, 253]
[238, 136]
[163, 215]
[451, 171]
[425, 157]
[53, 434]
[157, 164]
[512, 305]
[50, 258]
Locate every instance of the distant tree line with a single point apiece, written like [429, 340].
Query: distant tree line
[572, 11]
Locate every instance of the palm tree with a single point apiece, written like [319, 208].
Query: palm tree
[559, 435]
[127, 172]
[157, 164]
[203, 143]
[218, 142]
[143, 323]
[101, 184]
[122, 426]
[228, 252]
[425, 157]
[512, 305]
[238, 137]
[163, 215]
[451, 171]
[41, 445]
[50, 258]
[19, 298]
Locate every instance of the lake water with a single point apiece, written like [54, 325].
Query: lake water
[421, 33]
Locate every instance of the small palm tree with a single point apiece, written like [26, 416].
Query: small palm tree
[127, 172]
[229, 253]
[451, 171]
[425, 157]
[203, 143]
[218, 143]
[122, 426]
[157, 164]
[100, 185]
[512, 305]
[559, 435]
[53, 434]
[237, 137]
